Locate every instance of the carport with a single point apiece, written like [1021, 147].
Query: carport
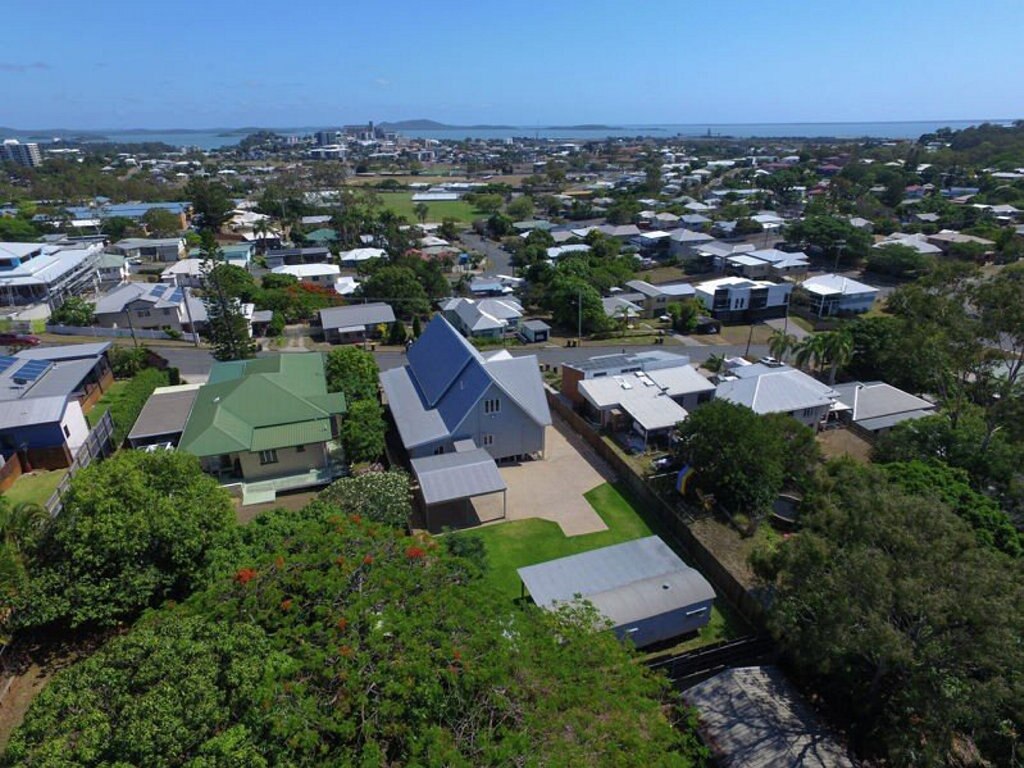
[458, 477]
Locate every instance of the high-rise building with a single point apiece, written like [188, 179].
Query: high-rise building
[13, 151]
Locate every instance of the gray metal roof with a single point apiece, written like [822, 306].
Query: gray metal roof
[416, 424]
[357, 315]
[455, 476]
[62, 379]
[751, 717]
[165, 413]
[885, 422]
[626, 582]
[775, 390]
[876, 399]
[35, 410]
[65, 352]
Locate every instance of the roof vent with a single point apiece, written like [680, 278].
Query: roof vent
[216, 399]
[666, 586]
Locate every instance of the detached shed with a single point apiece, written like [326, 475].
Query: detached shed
[642, 587]
[456, 478]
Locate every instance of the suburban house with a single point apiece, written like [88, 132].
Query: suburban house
[187, 273]
[358, 256]
[355, 323]
[947, 238]
[111, 269]
[239, 254]
[685, 242]
[739, 300]
[643, 588]
[34, 272]
[324, 275]
[767, 262]
[144, 306]
[628, 306]
[150, 249]
[269, 418]
[834, 294]
[44, 396]
[716, 252]
[777, 388]
[483, 318]
[875, 407]
[603, 366]
[281, 256]
[918, 242]
[449, 392]
[656, 298]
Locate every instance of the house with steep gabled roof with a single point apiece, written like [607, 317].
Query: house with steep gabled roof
[449, 392]
[267, 418]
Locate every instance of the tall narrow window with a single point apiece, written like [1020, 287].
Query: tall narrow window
[268, 457]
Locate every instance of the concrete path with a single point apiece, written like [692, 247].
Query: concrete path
[552, 489]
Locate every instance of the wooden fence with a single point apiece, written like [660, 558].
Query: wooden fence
[99, 444]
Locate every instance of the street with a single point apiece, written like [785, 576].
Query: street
[497, 257]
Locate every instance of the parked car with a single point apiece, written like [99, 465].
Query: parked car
[19, 340]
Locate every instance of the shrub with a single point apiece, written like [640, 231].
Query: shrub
[126, 408]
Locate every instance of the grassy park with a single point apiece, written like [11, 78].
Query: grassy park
[401, 203]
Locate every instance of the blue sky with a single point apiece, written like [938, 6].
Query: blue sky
[220, 63]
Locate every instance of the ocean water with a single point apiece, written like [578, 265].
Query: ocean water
[876, 130]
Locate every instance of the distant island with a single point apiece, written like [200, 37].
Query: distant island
[433, 125]
[583, 127]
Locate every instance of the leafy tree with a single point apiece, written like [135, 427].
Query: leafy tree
[136, 529]
[898, 261]
[499, 225]
[210, 201]
[227, 327]
[486, 203]
[837, 239]
[21, 525]
[900, 618]
[422, 210]
[742, 458]
[362, 431]
[999, 303]
[397, 334]
[952, 487]
[352, 371]
[449, 229]
[117, 227]
[573, 302]
[161, 223]
[74, 311]
[684, 315]
[398, 286]
[14, 229]
[382, 497]
[417, 327]
[126, 362]
[521, 209]
[125, 409]
[333, 640]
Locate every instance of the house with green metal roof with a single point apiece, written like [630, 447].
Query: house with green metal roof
[269, 420]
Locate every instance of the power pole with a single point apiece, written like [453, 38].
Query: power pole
[579, 317]
[840, 245]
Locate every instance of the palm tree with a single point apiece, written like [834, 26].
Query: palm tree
[622, 316]
[422, 210]
[20, 526]
[810, 350]
[260, 228]
[781, 343]
[837, 349]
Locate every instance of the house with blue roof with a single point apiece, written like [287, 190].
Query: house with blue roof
[449, 393]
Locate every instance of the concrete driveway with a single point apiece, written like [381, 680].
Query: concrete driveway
[552, 489]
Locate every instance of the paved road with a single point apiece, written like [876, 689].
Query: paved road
[497, 257]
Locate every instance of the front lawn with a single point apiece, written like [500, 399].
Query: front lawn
[511, 545]
[35, 488]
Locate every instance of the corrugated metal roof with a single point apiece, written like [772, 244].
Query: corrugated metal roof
[455, 476]
[357, 315]
[626, 582]
[283, 435]
[36, 410]
[417, 425]
[65, 352]
[437, 357]
[165, 413]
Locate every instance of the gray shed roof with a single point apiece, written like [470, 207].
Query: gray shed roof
[625, 582]
[166, 412]
[65, 352]
[876, 399]
[357, 315]
[751, 717]
[455, 476]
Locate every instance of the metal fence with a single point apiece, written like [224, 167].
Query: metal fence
[99, 444]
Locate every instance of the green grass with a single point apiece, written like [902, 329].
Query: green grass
[512, 545]
[111, 396]
[401, 203]
[516, 543]
[35, 488]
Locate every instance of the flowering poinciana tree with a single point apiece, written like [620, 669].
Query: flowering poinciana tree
[337, 640]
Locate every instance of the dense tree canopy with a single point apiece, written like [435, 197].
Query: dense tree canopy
[908, 625]
[135, 529]
[332, 640]
[352, 371]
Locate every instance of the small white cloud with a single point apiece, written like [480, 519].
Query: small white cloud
[383, 82]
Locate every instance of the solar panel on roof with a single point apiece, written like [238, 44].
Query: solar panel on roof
[176, 296]
[6, 361]
[33, 369]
